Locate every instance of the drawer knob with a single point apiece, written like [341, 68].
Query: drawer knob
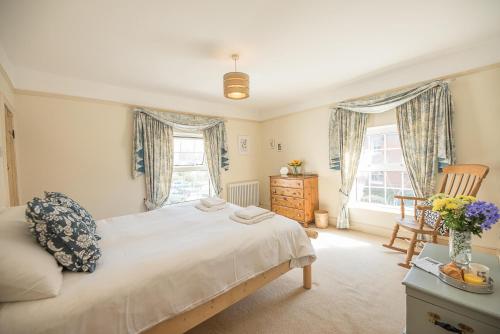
[462, 329]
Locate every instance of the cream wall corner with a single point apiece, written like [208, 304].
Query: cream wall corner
[303, 136]
[243, 167]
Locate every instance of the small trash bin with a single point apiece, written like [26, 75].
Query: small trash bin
[321, 218]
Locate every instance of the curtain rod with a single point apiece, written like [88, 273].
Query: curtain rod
[449, 77]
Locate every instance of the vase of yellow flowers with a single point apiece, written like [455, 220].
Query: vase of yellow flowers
[295, 164]
[464, 216]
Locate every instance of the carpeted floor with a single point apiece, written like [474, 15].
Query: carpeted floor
[356, 289]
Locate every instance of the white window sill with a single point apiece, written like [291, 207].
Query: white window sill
[380, 208]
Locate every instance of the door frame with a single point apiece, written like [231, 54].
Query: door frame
[9, 152]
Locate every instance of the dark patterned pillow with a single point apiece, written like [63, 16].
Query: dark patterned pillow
[431, 218]
[63, 234]
[62, 199]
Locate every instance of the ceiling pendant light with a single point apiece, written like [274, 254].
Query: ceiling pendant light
[236, 84]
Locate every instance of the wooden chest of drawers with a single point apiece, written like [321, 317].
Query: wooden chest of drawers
[295, 197]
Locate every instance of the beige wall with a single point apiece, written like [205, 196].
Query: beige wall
[305, 136]
[83, 148]
[6, 99]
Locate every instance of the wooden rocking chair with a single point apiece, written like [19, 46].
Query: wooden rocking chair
[457, 180]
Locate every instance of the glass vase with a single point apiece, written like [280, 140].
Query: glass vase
[460, 248]
[296, 170]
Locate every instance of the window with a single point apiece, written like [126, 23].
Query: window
[382, 173]
[190, 177]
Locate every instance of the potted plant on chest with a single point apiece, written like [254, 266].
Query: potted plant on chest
[295, 164]
[464, 216]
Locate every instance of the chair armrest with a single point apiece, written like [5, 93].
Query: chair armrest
[410, 198]
[424, 207]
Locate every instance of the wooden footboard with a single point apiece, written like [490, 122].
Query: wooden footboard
[187, 320]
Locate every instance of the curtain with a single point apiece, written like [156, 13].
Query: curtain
[348, 135]
[425, 119]
[153, 149]
[423, 123]
[154, 143]
[379, 104]
[214, 153]
[385, 102]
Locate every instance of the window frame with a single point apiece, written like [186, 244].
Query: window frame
[380, 167]
[191, 168]
[190, 135]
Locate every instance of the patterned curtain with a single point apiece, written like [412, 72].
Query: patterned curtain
[160, 154]
[425, 119]
[425, 132]
[347, 131]
[154, 143]
[214, 151]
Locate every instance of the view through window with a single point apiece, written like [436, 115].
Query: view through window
[190, 177]
[382, 173]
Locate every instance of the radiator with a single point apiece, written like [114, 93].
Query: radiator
[243, 193]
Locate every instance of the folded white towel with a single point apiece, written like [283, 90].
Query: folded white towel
[201, 207]
[252, 221]
[212, 201]
[251, 212]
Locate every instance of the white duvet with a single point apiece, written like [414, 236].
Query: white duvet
[158, 264]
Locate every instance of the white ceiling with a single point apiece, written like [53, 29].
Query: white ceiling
[172, 54]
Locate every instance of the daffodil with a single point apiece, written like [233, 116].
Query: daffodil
[466, 198]
[438, 204]
[295, 163]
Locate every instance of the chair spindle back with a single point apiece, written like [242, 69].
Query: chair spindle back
[463, 179]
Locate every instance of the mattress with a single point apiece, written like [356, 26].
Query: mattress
[158, 264]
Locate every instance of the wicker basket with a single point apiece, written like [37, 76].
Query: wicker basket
[321, 218]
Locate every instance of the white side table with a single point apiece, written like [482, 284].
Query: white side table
[435, 307]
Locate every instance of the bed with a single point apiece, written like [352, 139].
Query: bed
[165, 271]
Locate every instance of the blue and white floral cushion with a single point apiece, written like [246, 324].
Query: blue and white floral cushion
[431, 218]
[64, 234]
[61, 199]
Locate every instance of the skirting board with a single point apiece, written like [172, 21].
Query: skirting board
[386, 233]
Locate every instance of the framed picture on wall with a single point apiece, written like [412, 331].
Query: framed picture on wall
[272, 143]
[243, 144]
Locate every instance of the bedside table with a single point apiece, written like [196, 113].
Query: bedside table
[431, 302]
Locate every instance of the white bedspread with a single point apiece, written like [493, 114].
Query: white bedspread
[158, 264]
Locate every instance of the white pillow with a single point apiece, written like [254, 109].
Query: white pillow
[27, 271]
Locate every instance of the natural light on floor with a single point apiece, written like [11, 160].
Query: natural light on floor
[329, 240]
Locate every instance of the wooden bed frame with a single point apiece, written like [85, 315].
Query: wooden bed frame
[187, 320]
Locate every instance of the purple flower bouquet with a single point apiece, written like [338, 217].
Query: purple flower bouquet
[482, 213]
[464, 215]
